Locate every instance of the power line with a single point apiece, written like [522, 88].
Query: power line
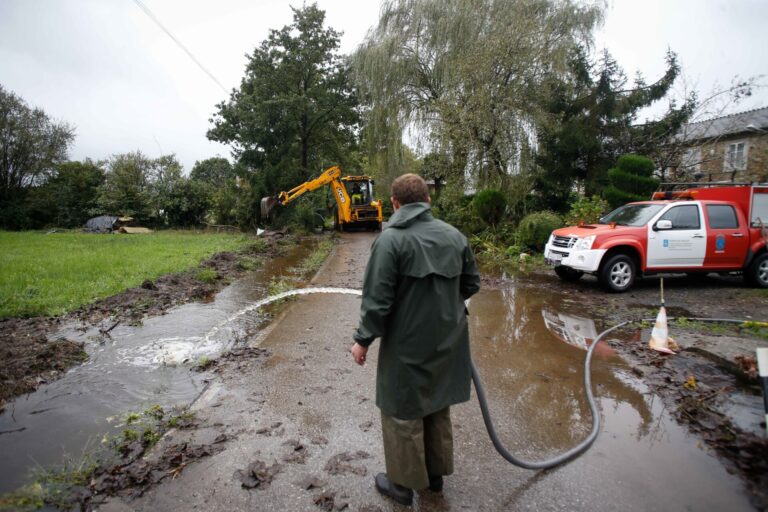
[178, 43]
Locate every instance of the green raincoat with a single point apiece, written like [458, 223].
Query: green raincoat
[420, 272]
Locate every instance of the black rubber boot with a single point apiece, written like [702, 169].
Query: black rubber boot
[436, 483]
[400, 494]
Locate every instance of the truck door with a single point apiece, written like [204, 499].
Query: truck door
[727, 237]
[684, 244]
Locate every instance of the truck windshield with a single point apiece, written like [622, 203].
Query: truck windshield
[632, 214]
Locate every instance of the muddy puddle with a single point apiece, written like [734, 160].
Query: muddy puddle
[130, 369]
[529, 346]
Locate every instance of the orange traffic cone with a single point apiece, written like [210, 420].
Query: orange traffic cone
[660, 338]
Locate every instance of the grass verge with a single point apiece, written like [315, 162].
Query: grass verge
[52, 274]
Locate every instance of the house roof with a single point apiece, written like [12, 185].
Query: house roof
[755, 120]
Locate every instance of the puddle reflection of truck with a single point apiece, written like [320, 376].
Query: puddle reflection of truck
[696, 231]
[574, 330]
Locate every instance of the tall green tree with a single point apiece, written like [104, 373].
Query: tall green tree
[295, 111]
[468, 75]
[68, 198]
[186, 203]
[219, 178]
[164, 179]
[126, 189]
[593, 121]
[31, 145]
[216, 171]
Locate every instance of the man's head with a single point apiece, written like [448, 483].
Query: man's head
[409, 188]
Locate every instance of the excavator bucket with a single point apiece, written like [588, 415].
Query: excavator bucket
[267, 203]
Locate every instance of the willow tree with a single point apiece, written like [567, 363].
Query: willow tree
[466, 76]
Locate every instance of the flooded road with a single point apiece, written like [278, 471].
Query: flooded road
[132, 369]
[309, 398]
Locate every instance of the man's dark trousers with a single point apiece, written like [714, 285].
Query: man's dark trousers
[416, 449]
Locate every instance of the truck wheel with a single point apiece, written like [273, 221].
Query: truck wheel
[618, 273]
[568, 274]
[757, 273]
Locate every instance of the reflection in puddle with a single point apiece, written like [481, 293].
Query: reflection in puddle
[575, 330]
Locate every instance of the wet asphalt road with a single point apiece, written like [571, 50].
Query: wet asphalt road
[308, 403]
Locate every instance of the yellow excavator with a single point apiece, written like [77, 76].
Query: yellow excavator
[355, 206]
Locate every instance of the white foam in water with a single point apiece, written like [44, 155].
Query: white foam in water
[176, 350]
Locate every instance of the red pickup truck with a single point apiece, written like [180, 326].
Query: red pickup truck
[695, 231]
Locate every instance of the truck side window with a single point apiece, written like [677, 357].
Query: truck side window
[722, 216]
[683, 217]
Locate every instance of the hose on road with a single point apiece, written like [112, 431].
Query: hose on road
[567, 455]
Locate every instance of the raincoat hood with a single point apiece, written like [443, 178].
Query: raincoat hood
[409, 213]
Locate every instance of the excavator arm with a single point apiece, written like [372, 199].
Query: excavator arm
[330, 176]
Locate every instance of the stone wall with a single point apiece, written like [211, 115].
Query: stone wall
[713, 155]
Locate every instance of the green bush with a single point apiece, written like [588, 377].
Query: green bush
[457, 210]
[490, 205]
[535, 228]
[631, 180]
[587, 210]
[304, 217]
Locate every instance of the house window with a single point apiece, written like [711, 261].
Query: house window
[736, 157]
[691, 160]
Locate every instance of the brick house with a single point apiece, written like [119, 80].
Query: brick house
[731, 148]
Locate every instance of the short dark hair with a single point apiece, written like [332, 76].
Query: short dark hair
[410, 188]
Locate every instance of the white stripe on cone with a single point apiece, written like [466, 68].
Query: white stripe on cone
[660, 338]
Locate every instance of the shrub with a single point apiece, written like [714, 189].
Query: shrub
[534, 230]
[490, 205]
[587, 210]
[303, 218]
[631, 180]
[457, 210]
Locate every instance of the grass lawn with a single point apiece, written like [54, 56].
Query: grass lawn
[51, 274]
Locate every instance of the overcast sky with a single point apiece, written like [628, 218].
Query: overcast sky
[105, 67]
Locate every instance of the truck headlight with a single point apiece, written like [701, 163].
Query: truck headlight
[584, 244]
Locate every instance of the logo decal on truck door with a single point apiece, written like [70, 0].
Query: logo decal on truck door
[720, 243]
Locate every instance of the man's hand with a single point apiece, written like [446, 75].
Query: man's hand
[358, 353]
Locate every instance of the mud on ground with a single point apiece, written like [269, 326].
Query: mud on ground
[713, 360]
[30, 357]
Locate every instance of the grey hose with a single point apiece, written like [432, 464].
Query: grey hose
[586, 443]
[565, 456]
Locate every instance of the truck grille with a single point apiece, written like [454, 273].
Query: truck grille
[564, 241]
[367, 213]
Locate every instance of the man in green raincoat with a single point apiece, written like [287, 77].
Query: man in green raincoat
[420, 272]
